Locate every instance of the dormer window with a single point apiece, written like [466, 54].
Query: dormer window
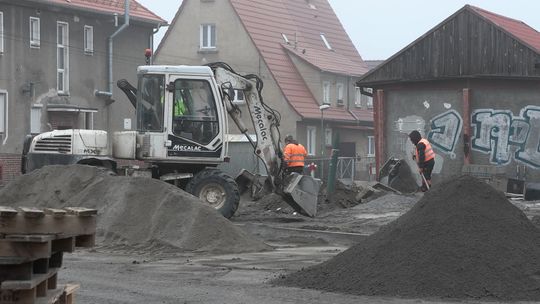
[325, 41]
[285, 38]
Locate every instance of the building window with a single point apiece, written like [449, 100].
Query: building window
[208, 36]
[340, 88]
[326, 92]
[3, 112]
[239, 97]
[34, 32]
[1, 33]
[371, 146]
[88, 39]
[311, 139]
[357, 97]
[325, 42]
[62, 58]
[368, 100]
[35, 119]
[328, 136]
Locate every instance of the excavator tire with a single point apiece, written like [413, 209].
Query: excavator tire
[216, 189]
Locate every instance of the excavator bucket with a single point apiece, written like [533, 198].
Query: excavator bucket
[299, 191]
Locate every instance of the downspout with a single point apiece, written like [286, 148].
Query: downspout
[110, 52]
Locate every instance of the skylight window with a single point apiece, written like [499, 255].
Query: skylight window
[311, 4]
[285, 38]
[325, 42]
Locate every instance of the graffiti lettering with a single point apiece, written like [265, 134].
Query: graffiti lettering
[504, 136]
[445, 130]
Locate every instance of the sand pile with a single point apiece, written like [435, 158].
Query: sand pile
[405, 181]
[462, 240]
[138, 212]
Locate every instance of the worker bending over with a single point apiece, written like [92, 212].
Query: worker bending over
[425, 158]
[294, 155]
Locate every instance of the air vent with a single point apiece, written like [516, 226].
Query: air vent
[60, 144]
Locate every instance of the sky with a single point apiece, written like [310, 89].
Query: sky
[380, 28]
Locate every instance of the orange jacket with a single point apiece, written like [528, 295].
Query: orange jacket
[294, 155]
[428, 154]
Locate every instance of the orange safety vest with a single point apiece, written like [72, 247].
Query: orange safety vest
[429, 154]
[294, 155]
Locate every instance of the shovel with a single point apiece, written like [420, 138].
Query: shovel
[425, 180]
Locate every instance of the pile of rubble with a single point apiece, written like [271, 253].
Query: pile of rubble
[463, 239]
[135, 214]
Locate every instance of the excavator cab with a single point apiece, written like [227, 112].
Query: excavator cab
[182, 128]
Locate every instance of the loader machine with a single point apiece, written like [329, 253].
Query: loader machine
[181, 135]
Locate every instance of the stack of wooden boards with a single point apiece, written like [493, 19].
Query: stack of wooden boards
[32, 244]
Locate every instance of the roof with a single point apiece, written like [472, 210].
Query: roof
[428, 53]
[136, 10]
[303, 27]
[519, 29]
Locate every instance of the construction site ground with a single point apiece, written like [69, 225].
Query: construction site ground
[111, 275]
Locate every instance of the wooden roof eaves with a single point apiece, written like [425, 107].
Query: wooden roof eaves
[410, 45]
[400, 81]
[526, 44]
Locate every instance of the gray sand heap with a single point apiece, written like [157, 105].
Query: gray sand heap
[462, 240]
[132, 212]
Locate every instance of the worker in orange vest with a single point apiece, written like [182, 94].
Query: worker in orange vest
[294, 155]
[425, 158]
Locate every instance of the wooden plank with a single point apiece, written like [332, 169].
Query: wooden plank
[80, 211]
[65, 245]
[30, 212]
[17, 296]
[16, 272]
[55, 212]
[7, 211]
[85, 241]
[35, 238]
[66, 225]
[28, 284]
[27, 251]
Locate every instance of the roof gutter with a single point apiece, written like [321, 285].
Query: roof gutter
[110, 52]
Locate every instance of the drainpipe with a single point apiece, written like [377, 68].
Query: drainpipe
[110, 53]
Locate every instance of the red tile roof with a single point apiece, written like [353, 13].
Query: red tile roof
[519, 29]
[112, 6]
[265, 21]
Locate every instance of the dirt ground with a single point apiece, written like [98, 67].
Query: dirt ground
[112, 276]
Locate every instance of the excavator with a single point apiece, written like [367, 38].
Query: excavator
[181, 136]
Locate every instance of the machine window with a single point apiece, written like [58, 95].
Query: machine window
[150, 103]
[194, 111]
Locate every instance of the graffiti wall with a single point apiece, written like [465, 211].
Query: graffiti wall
[500, 134]
[505, 137]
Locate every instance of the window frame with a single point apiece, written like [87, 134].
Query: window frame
[64, 46]
[357, 97]
[35, 118]
[208, 27]
[368, 99]
[340, 93]
[88, 39]
[4, 117]
[326, 92]
[311, 140]
[328, 136]
[35, 37]
[371, 146]
[1, 32]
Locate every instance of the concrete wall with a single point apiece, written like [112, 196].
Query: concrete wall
[28, 75]
[504, 116]
[233, 46]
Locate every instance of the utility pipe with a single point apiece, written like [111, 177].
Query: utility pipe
[110, 52]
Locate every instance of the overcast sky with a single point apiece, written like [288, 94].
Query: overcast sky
[380, 28]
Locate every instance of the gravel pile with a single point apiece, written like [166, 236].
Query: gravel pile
[140, 213]
[462, 240]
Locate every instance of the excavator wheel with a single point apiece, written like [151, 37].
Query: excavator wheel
[217, 189]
